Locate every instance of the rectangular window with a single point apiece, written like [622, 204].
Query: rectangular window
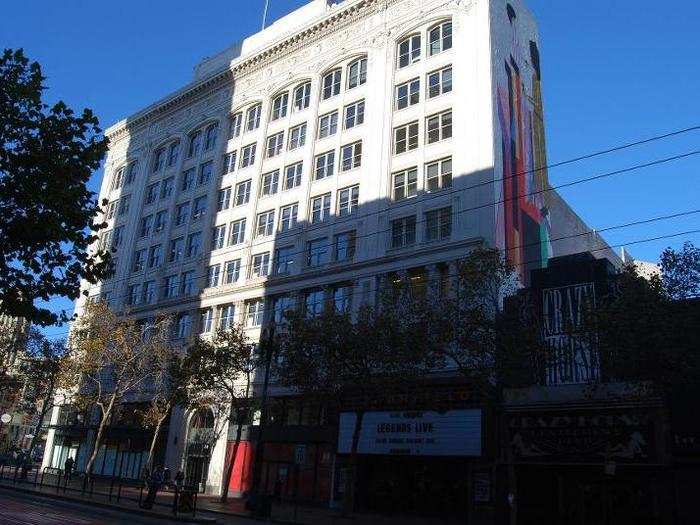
[320, 208]
[275, 144]
[408, 94]
[223, 200]
[317, 252]
[170, 287]
[406, 184]
[297, 136]
[194, 244]
[348, 199]
[152, 193]
[255, 312]
[199, 207]
[227, 315]
[173, 152]
[438, 175]
[158, 160]
[182, 213]
[439, 127]
[260, 265]
[253, 117]
[438, 224]
[351, 156]
[145, 226]
[409, 51]
[284, 259]
[131, 172]
[235, 126]
[242, 193]
[331, 84]
[184, 326]
[265, 224]
[139, 261]
[232, 271]
[279, 106]
[187, 281]
[149, 292]
[327, 125]
[344, 246]
[155, 256]
[213, 274]
[123, 208]
[406, 138]
[111, 210]
[403, 232]
[440, 82]
[284, 304]
[292, 176]
[342, 299]
[248, 155]
[357, 73]
[440, 38]
[206, 321]
[314, 302]
[229, 164]
[236, 233]
[269, 183]
[354, 114]
[188, 179]
[218, 237]
[288, 217]
[302, 96]
[118, 179]
[161, 221]
[167, 188]
[325, 165]
[205, 171]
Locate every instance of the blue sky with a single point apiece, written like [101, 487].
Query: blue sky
[614, 71]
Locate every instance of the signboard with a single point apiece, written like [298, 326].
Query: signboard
[453, 433]
[585, 437]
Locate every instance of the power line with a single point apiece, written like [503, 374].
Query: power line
[556, 239]
[245, 266]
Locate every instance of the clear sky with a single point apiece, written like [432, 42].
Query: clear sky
[614, 71]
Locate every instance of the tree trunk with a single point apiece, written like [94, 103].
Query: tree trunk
[106, 414]
[154, 441]
[351, 478]
[39, 426]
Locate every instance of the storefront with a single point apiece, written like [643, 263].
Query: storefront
[417, 462]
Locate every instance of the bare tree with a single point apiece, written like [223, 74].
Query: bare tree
[112, 358]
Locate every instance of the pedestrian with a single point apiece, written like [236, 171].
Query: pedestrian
[166, 478]
[68, 468]
[154, 484]
[177, 483]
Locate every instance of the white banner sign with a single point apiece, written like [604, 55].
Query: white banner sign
[454, 433]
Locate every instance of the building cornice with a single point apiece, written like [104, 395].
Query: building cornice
[333, 21]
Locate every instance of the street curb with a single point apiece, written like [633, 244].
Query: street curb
[140, 512]
[250, 517]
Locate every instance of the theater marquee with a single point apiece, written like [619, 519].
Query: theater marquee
[453, 433]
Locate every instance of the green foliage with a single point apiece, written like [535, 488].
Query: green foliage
[47, 155]
[680, 272]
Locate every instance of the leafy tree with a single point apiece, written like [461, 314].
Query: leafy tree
[47, 155]
[222, 376]
[680, 272]
[345, 361]
[113, 358]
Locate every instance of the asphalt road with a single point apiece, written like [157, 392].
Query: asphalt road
[24, 509]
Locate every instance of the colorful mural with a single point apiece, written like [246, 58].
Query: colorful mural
[522, 216]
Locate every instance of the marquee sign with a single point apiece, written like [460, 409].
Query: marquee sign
[453, 433]
[585, 437]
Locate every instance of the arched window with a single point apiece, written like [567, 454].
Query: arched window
[357, 72]
[440, 38]
[158, 160]
[131, 172]
[173, 152]
[253, 117]
[279, 106]
[409, 51]
[210, 136]
[195, 144]
[302, 96]
[331, 84]
[235, 125]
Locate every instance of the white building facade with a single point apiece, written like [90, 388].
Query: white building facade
[345, 142]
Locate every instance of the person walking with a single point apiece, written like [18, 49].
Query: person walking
[154, 484]
[68, 468]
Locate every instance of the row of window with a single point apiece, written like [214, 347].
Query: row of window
[437, 128]
[437, 227]
[437, 83]
[438, 175]
[410, 49]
